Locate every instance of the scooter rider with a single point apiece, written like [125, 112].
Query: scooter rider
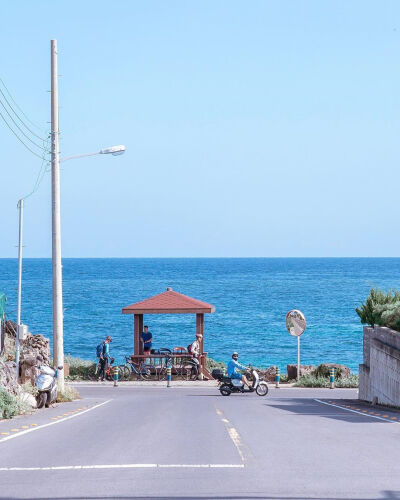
[233, 365]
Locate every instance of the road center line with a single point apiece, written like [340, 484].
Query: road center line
[52, 423]
[125, 466]
[233, 434]
[355, 411]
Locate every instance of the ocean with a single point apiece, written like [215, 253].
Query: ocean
[251, 296]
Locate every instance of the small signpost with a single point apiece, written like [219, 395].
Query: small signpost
[296, 325]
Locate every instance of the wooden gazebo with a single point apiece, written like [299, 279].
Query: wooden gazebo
[168, 302]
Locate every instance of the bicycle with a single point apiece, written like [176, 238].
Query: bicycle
[94, 371]
[129, 370]
[186, 370]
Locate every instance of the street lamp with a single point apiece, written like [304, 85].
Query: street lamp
[58, 320]
[113, 150]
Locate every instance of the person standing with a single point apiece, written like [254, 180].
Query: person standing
[147, 339]
[104, 357]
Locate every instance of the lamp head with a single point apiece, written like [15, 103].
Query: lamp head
[114, 150]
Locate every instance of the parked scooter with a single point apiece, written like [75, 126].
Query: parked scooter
[229, 385]
[46, 382]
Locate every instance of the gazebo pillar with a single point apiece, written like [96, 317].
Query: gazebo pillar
[200, 330]
[137, 330]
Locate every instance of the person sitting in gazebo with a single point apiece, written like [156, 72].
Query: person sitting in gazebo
[194, 348]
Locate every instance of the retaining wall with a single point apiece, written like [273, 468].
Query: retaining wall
[379, 375]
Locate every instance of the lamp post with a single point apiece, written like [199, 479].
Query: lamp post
[58, 327]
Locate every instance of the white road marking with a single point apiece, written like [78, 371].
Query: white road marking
[355, 411]
[124, 466]
[53, 423]
[233, 434]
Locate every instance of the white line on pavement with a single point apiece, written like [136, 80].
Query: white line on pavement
[53, 423]
[124, 466]
[355, 411]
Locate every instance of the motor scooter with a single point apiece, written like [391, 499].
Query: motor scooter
[46, 382]
[229, 385]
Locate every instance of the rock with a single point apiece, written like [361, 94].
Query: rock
[8, 377]
[27, 399]
[304, 370]
[340, 370]
[268, 374]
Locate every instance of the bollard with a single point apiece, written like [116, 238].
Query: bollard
[332, 378]
[115, 376]
[169, 376]
[277, 377]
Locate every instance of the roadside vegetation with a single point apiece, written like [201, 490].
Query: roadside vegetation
[381, 308]
[67, 395]
[8, 404]
[351, 381]
[78, 368]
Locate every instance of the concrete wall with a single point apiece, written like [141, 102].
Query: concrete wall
[379, 375]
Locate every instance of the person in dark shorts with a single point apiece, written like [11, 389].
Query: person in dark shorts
[147, 339]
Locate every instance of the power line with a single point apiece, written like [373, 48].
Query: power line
[11, 97]
[17, 136]
[19, 118]
[42, 172]
[20, 129]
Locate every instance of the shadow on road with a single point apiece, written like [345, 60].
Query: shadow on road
[311, 407]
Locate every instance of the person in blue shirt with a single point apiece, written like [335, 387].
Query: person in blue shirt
[147, 339]
[233, 365]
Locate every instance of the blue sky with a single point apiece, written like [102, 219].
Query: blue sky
[252, 128]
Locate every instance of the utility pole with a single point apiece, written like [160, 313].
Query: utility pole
[21, 218]
[58, 334]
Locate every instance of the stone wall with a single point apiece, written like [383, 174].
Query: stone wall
[379, 375]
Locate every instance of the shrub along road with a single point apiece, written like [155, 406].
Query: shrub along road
[190, 442]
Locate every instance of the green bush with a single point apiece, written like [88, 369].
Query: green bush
[211, 365]
[8, 404]
[381, 308]
[347, 382]
[67, 395]
[313, 381]
[78, 368]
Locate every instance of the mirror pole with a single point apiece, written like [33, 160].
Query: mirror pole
[298, 359]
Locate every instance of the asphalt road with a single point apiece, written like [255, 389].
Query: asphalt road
[192, 443]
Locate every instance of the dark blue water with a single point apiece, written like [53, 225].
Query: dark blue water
[252, 297]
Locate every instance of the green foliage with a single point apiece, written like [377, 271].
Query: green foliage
[347, 382]
[313, 381]
[381, 308]
[78, 368]
[67, 395]
[30, 389]
[8, 404]
[211, 365]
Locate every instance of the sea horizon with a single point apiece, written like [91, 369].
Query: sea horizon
[251, 296]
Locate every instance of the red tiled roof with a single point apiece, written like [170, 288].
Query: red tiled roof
[169, 302]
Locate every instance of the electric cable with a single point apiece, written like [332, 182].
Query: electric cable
[20, 129]
[19, 138]
[11, 97]
[19, 118]
[42, 172]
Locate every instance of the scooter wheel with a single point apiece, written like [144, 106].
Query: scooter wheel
[41, 399]
[225, 390]
[262, 389]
